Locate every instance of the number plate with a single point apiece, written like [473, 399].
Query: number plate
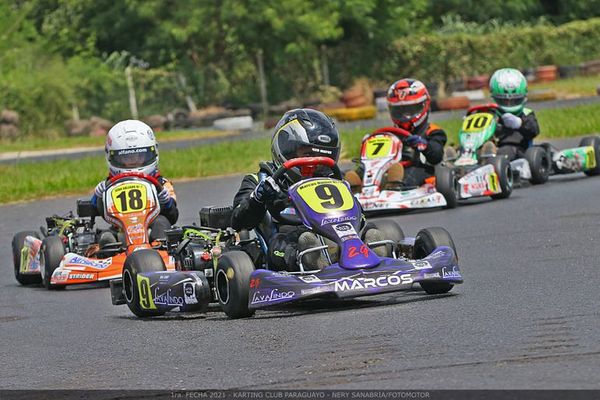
[477, 122]
[130, 197]
[378, 147]
[326, 195]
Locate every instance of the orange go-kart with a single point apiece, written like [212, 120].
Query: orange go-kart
[70, 253]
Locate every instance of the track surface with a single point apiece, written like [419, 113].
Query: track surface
[526, 317]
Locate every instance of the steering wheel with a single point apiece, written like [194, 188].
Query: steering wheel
[139, 175]
[402, 133]
[307, 166]
[488, 107]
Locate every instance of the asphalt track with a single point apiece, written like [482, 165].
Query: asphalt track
[526, 317]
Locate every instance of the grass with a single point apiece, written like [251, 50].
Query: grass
[570, 87]
[28, 180]
[49, 143]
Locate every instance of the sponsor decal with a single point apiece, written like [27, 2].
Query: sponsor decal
[166, 299]
[451, 273]
[432, 275]
[346, 284]
[273, 295]
[309, 278]
[420, 264]
[135, 229]
[87, 262]
[324, 139]
[132, 151]
[82, 276]
[189, 293]
[343, 230]
[335, 220]
[60, 276]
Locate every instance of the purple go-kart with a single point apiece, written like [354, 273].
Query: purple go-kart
[327, 207]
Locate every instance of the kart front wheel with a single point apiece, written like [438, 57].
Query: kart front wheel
[145, 260]
[426, 241]
[51, 254]
[18, 242]
[505, 177]
[593, 141]
[447, 185]
[539, 164]
[232, 280]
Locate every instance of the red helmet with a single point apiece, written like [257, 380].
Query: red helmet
[408, 102]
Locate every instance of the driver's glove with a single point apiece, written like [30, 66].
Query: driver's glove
[266, 191]
[164, 197]
[511, 121]
[417, 142]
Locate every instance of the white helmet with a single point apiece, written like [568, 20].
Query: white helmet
[131, 146]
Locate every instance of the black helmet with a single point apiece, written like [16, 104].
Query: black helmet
[304, 132]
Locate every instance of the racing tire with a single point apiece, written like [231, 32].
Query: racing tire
[232, 281]
[505, 177]
[539, 164]
[593, 141]
[447, 184]
[390, 230]
[145, 260]
[17, 245]
[426, 241]
[51, 254]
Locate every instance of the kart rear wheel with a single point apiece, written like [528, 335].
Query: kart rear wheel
[593, 141]
[17, 245]
[539, 164]
[390, 231]
[232, 281]
[426, 241]
[145, 260]
[447, 184]
[505, 177]
[51, 254]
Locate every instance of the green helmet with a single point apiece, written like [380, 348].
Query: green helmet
[508, 88]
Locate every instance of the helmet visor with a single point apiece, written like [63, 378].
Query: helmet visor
[294, 149]
[133, 158]
[406, 112]
[509, 101]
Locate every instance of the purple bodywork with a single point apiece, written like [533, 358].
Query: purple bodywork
[360, 271]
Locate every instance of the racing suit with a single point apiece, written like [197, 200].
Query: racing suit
[169, 213]
[514, 142]
[282, 240]
[418, 170]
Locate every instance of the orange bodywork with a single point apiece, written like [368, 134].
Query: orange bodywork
[131, 205]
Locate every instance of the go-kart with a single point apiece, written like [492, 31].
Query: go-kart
[540, 161]
[381, 150]
[480, 174]
[150, 290]
[324, 205]
[69, 251]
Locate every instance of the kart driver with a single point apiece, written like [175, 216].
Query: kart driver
[409, 106]
[518, 125]
[131, 147]
[299, 133]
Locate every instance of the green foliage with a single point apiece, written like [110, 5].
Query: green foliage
[59, 54]
[443, 57]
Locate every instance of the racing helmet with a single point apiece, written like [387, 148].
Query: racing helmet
[304, 132]
[131, 147]
[408, 103]
[508, 88]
